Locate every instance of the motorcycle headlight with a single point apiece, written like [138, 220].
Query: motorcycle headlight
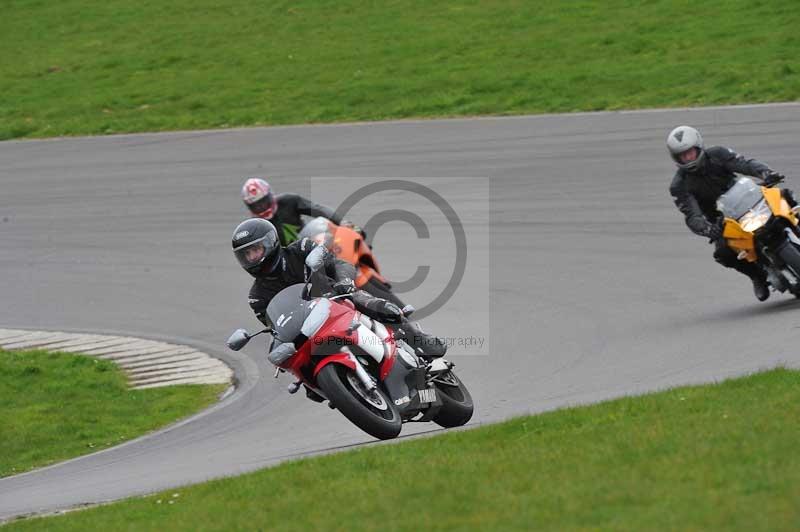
[755, 218]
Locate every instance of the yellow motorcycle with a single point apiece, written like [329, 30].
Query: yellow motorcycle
[761, 226]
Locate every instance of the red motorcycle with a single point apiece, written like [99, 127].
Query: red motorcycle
[356, 363]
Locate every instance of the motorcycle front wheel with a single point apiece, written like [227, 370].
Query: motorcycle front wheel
[371, 411]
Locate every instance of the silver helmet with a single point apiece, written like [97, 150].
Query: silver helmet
[681, 140]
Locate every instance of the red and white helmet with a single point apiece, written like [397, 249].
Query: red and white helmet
[259, 198]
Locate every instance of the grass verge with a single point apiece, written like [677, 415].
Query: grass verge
[94, 67]
[696, 458]
[57, 406]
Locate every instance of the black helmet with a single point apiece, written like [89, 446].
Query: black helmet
[256, 246]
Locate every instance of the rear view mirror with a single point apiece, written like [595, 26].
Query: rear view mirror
[238, 339]
[316, 259]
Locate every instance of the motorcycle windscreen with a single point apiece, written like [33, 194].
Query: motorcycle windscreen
[287, 311]
[740, 198]
[317, 230]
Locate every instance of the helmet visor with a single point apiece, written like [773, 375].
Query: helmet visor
[254, 254]
[265, 207]
[688, 156]
[689, 159]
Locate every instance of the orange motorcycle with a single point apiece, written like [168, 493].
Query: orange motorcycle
[349, 245]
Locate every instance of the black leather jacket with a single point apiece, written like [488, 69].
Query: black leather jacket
[288, 217]
[292, 270]
[696, 193]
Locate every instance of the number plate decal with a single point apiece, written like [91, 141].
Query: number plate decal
[427, 396]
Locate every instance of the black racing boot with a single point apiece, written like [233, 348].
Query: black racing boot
[757, 274]
[426, 345]
[760, 288]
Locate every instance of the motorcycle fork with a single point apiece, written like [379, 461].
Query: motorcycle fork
[361, 373]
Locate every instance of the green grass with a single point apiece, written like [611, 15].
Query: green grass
[94, 67]
[699, 458]
[57, 406]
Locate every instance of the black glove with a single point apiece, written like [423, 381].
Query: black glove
[714, 231]
[772, 178]
[343, 287]
[388, 312]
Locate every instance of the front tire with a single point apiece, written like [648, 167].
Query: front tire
[376, 415]
[457, 407]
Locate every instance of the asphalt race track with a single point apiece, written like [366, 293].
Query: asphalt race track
[586, 283]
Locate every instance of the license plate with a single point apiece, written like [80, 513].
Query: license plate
[427, 396]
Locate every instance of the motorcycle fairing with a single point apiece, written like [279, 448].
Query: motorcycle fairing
[345, 359]
[779, 206]
[403, 384]
[739, 240]
[743, 241]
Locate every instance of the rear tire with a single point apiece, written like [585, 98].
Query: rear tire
[791, 257]
[383, 423]
[457, 407]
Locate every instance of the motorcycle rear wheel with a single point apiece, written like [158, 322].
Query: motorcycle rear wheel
[457, 406]
[791, 257]
[376, 415]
